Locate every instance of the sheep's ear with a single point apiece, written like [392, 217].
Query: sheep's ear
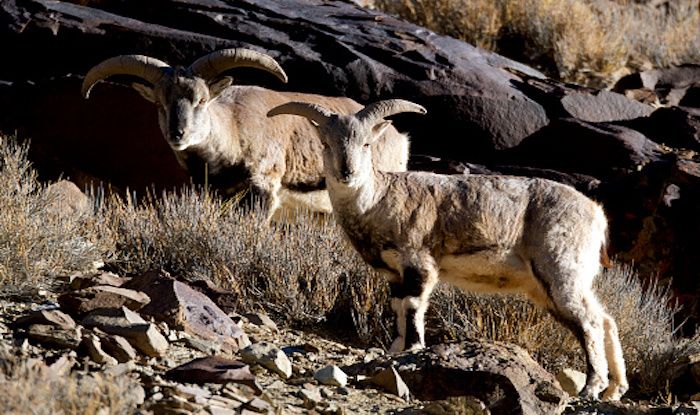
[145, 91]
[217, 87]
[379, 129]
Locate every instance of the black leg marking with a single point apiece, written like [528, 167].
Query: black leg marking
[412, 336]
[397, 290]
[412, 282]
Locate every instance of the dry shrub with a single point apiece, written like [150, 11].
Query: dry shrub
[303, 273]
[37, 241]
[643, 315]
[30, 387]
[592, 42]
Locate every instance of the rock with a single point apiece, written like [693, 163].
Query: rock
[192, 393]
[91, 343]
[669, 84]
[463, 405]
[55, 336]
[79, 282]
[502, 376]
[390, 380]
[218, 410]
[214, 369]
[205, 346]
[47, 317]
[118, 347]
[674, 126]
[262, 320]
[602, 150]
[65, 199]
[98, 297]
[311, 397]
[259, 406]
[186, 309]
[144, 336]
[572, 381]
[603, 106]
[331, 375]
[268, 356]
[62, 366]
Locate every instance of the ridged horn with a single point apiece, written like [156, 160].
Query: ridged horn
[144, 67]
[314, 112]
[212, 65]
[381, 109]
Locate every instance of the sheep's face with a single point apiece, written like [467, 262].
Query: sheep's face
[347, 154]
[183, 104]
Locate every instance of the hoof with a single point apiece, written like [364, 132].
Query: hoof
[615, 392]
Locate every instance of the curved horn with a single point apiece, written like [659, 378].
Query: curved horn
[144, 67]
[314, 112]
[381, 109]
[210, 66]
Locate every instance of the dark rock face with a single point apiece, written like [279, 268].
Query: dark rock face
[670, 85]
[504, 377]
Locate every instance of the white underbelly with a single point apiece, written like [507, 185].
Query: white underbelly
[488, 271]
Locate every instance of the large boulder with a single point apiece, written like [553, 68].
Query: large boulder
[504, 377]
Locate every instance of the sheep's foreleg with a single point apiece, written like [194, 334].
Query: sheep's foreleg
[409, 301]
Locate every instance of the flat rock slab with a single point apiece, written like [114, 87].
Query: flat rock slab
[144, 336]
[81, 302]
[55, 336]
[49, 317]
[80, 282]
[504, 377]
[188, 310]
[214, 369]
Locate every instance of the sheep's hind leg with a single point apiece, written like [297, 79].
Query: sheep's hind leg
[578, 309]
[410, 301]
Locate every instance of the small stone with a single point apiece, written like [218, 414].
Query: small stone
[49, 317]
[92, 344]
[311, 397]
[572, 381]
[390, 380]
[144, 336]
[118, 347]
[259, 406]
[205, 346]
[121, 369]
[79, 282]
[55, 336]
[268, 356]
[222, 402]
[331, 375]
[262, 320]
[192, 393]
[62, 365]
[218, 410]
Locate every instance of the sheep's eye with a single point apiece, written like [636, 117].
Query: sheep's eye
[366, 145]
[202, 101]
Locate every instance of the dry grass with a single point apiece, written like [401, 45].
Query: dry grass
[36, 241]
[591, 42]
[30, 387]
[303, 273]
[307, 275]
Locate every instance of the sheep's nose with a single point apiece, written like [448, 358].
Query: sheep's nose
[178, 134]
